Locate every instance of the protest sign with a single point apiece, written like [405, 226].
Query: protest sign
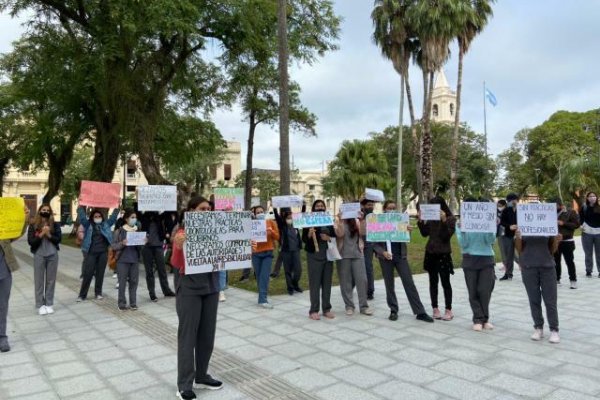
[311, 220]
[537, 219]
[391, 227]
[100, 194]
[430, 212]
[350, 210]
[255, 201]
[287, 201]
[374, 195]
[229, 198]
[478, 217]
[259, 230]
[136, 238]
[157, 198]
[12, 217]
[217, 241]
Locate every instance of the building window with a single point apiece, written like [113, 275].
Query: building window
[452, 109]
[131, 188]
[213, 172]
[131, 168]
[227, 172]
[311, 187]
[435, 110]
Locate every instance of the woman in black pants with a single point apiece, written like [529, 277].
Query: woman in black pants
[196, 304]
[153, 254]
[290, 244]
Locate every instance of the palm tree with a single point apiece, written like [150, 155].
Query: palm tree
[477, 14]
[284, 112]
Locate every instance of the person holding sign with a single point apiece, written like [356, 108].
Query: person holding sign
[290, 244]
[589, 216]
[438, 256]
[196, 303]
[478, 266]
[568, 221]
[153, 254]
[508, 221]
[396, 259]
[367, 208]
[44, 236]
[539, 277]
[128, 259]
[97, 239]
[320, 269]
[8, 265]
[262, 257]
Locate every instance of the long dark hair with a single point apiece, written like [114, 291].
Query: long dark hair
[317, 202]
[196, 201]
[37, 220]
[96, 211]
[387, 203]
[443, 205]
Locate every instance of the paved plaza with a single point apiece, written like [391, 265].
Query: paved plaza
[91, 350]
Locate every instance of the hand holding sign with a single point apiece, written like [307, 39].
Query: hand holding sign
[157, 198]
[537, 219]
[12, 217]
[100, 194]
[350, 210]
[135, 239]
[430, 212]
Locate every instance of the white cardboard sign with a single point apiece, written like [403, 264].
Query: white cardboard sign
[259, 230]
[374, 195]
[537, 219]
[136, 238]
[478, 217]
[287, 201]
[157, 198]
[430, 212]
[350, 210]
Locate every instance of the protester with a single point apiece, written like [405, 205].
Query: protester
[351, 267]
[508, 221]
[44, 236]
[196, 304]
[128, 259]
[590, 238]
[8, 265]
[568, 221]
[438, 256]
[262, 257]
[478, 267]
[320, 270]
[397, 260]
[367, 207]
[290, 244]
[539, 277]
[153, 254]
[98, 237]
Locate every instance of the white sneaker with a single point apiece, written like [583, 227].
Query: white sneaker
[117, 285]
[537, 335]
[268, 306]
[49, 310]
[573, 284]
[367, 311]
[115, 275]
[42, 310]
[554, 337]
[222, 296]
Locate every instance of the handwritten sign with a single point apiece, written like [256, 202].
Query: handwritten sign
[217, 241]
[229, 198]
[538, 219]
[157, 198]
[430, 212]
[391, 227]
[478, 217]
[136, 238]
[311, 220]
[374, 195]
[259, 230]
[12, 217]
[287, 201]
[100, 194]
[350, 210]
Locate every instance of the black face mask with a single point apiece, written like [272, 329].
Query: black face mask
[368, 210]
[319, 210]
[45, 214]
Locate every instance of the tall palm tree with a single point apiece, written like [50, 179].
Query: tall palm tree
[284, 112]
[477, 15]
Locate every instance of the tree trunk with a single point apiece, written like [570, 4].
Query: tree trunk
[456, 135]
[3, 167]
[107, 151]
[284, 134]
[400, 144]
[57, 164]
[413, 132]
[427, 146]
[249, 166]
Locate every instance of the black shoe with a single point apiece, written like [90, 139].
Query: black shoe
[393, 316]
[170, 294]
[424, 317]
[153, 298]
[370, 297]
[291, 292]
[588, 274]
[209, 383]
[123, 308]
[4, 347]
[187, 395]
[244, 279]
[506, 278]
[133, 307]
[298, 289]
[274, 276]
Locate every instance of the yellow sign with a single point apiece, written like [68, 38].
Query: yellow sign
[12, 217]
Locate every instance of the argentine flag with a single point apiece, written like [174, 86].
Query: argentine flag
[491, 98]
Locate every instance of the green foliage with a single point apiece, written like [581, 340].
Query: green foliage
[265, 182]
[77, 171]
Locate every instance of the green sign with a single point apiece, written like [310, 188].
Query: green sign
[391, 227]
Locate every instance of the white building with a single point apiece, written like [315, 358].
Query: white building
[443, 105]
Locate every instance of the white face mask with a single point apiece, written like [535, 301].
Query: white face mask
[97, 220]
[289, 221]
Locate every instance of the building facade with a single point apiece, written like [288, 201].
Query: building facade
[443, 104]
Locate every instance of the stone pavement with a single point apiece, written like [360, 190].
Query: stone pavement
[91, 350]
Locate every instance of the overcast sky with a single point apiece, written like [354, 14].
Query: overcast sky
[536, 56]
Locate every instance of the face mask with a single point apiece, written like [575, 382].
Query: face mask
[500, 208]
[132, 222]
[390, 211]
[289, 221]
[45, 214]
[260, 216]
[97, 220]
[368, 211]
[319, 210]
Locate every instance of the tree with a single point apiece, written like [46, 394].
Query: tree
[284, 134]
[477, 14]
[263, 181]
[77, 171]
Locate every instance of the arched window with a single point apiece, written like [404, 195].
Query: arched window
[435, 110]
[452, 109]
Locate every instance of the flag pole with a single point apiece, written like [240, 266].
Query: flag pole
[485, 138]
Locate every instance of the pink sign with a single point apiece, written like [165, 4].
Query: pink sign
[100, 194]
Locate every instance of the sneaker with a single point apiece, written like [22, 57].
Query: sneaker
[537, 335]
[42, 310]
[187, 395]
[349, 311]
[209, 383]
[393, 316]
[153, 298]
[573, 284]
[267, 305]
[49, 310]
[99, 297]
[133, 307]
[477, 327]
[222, 297]
[329, 315]
[123, 308]
[115, 275]
[554, 337]
[298, 290]
[448, 315]
[424, 317]
[4, 347]
[170, 294]
[273, 276]
[370, 297]
[437, 314]
[314, 316]
[488, 326]
[367, 311]
[117, 285]
[80, 299]
[291, 292]
[506, 278]
[588, 274]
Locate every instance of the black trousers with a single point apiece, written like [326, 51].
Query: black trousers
[320, 275]
[566, 250]
[401, 266]
[195, 336]
[95, 266]
[277, 265]
[369, 252]
[480, 284]
[292, 267]
[436, 275]
[155, 256]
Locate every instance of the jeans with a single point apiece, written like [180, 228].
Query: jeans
[566, 250]
[262, 268]
[222, 280]
[591, 244]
